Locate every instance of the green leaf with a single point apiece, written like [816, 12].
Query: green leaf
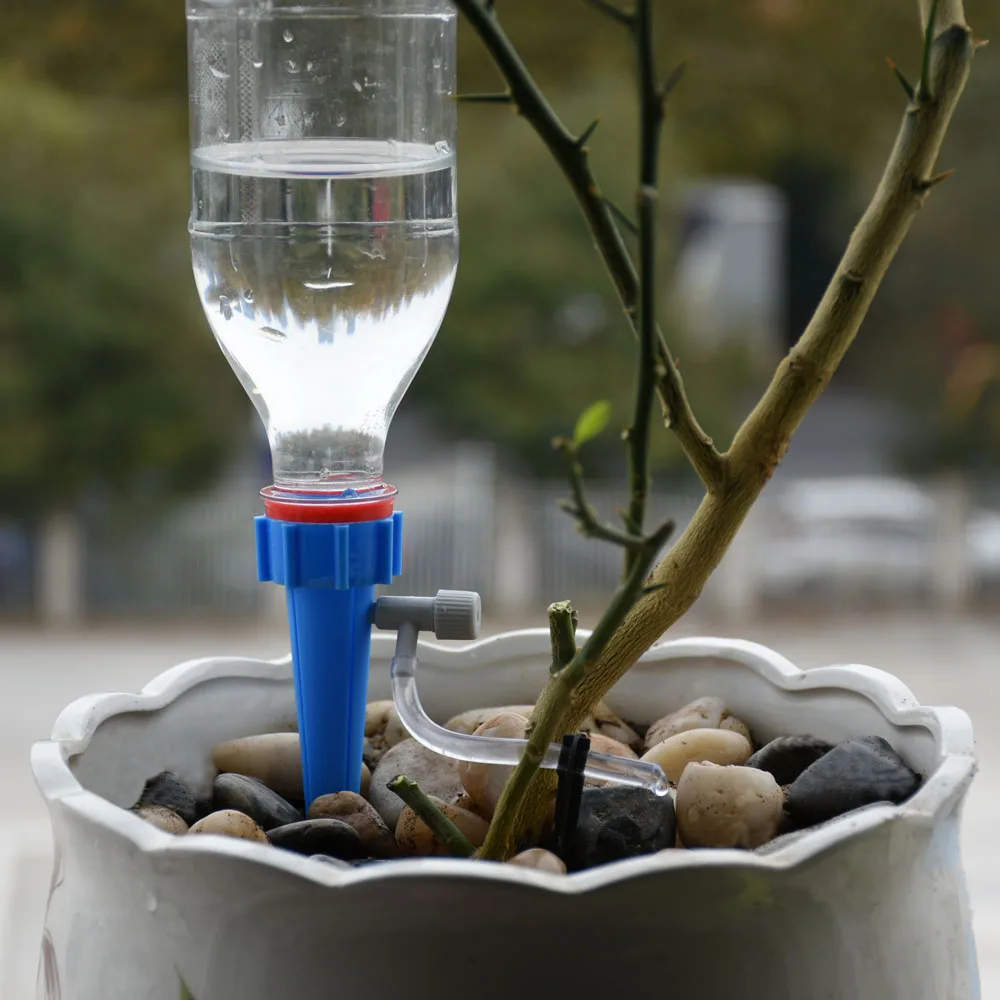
[592, 421]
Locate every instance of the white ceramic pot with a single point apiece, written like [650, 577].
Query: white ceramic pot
[868, 907]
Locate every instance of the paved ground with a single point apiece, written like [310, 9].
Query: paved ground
[943, 661]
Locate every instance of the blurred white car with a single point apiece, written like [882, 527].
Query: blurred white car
[862, 534]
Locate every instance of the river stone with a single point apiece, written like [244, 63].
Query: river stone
[435, 774]
[350, 808]
[383, 729]
[702, 713]
[414, 838]
[166, 789]
[619, 822]
[788, 756]
[735, 725]
[857, 772]
[539, 859]
[727, 806]
[717, 746]
[468, 722]
[485, 782]
[230, 823]
[162, 817]
[318, 836]
[602, 721]
[268, 809]
[272, 758]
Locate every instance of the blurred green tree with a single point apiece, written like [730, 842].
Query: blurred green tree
[105, 372]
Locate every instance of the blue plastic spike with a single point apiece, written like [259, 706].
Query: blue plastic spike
[330, 572]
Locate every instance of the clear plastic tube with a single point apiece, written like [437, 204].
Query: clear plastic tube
[500, 750]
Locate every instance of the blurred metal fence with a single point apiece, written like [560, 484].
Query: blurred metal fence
[842, 542]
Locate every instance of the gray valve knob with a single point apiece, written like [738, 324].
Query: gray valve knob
[453, 614]
[457, 614]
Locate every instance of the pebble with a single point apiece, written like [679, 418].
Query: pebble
[272, 758]
[435, 774]
[540, 859]
[230, 823]
[702, 713]
[727, 806]
[383, 730]
[366, 780]
[469, 722]
[318, 836]
[350, 808]
[604, 722]
[485, 782]
[717, 746]
[414, 837]
[162, 817]
[605, 744]
[248, 795]
[166, 789]
[857, 772]
[619, 822]
[788, 756]
[737, 726]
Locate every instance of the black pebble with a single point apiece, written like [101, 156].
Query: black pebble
[788, 756]
[319, 836]
[248, 795]
[166, 789]
[855, 773]
[619, 823]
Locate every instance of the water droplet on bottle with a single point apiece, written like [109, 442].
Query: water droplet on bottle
[258, 64]
[292, 66]
[309, 67]
[437, 63]
[218, 73]
[224, 134]
[288, 36]
[151, 903]
[356, 86]
[442, 147]
[248, 296]
[271, 333]
[225, 309]
[341, 120]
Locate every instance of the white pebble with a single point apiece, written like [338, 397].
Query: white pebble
[485, 782]
[702, 713]
[540, 859]
[717, 746]
[727, 806]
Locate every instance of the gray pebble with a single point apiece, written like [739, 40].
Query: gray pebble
[166, 789]
[619, 822]
[435, 774]
[857, 772]
[318, 836]
[253, 797]
[788, 756]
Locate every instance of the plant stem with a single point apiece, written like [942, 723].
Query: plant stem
[589, 524]
[574, 161]
[647, 198]
[563, 619]
[420, 802]
[559, 699]
[762, 440]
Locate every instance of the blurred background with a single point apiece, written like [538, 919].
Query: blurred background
[130, 459]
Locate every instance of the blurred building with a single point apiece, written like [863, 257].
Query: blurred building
[730, 274]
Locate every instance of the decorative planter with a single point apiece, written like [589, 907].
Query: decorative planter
[871, 906]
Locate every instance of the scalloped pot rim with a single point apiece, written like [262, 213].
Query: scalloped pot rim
[941, 791]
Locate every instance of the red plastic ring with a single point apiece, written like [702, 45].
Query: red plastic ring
[342, 511]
